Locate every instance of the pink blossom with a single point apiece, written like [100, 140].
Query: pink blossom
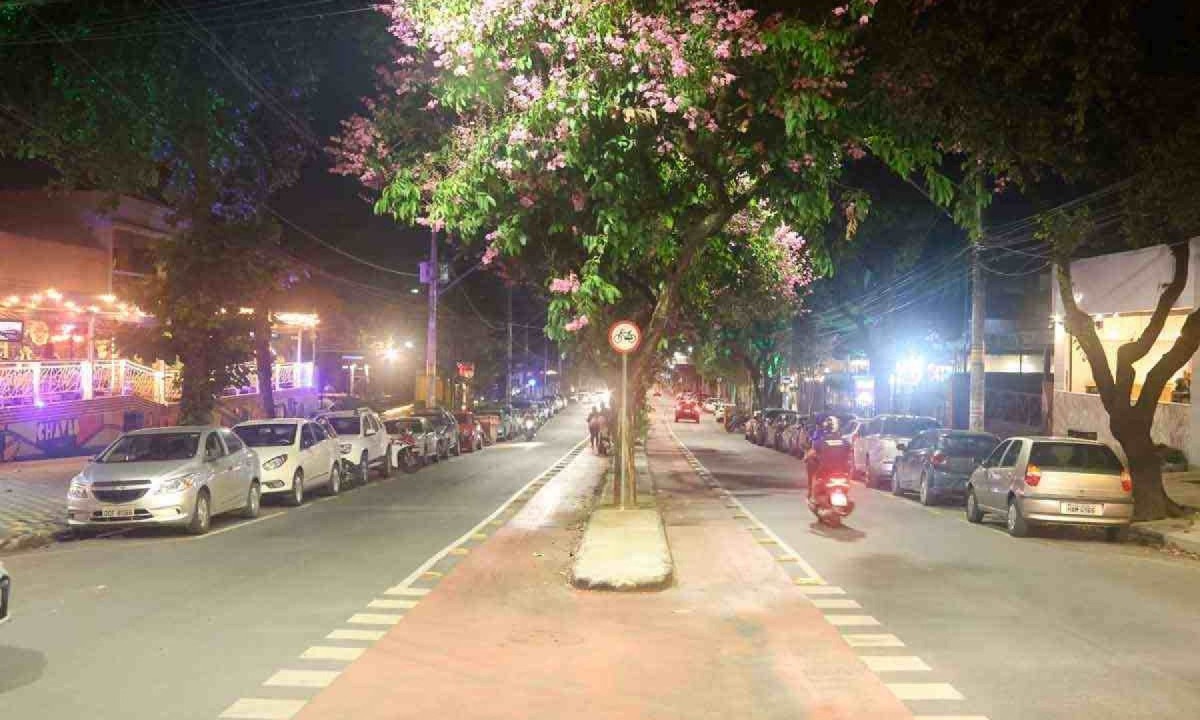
[840, 10]
[565, 285]
[577, 324]
[578, 201]
[864, 20]
[526, 201]
[490, 254]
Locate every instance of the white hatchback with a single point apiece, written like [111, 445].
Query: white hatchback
[295, 455]
[362, 441]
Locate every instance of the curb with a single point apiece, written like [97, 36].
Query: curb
[28, 539]
[1170, 537]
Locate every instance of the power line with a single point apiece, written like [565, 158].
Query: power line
[335, 248]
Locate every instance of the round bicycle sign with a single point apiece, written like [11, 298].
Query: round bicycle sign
[624, 336]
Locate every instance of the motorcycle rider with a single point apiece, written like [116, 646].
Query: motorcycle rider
[827, 453]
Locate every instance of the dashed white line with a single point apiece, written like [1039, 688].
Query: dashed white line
[924, 691]
[263, 709]
[895, 663]
[302, 678]
[872, 640]
[851, 620]
[369, 635]
[373, 619]
[836, 604]
[328, 652]
[821, 590]
[950, 717]
[389, 603]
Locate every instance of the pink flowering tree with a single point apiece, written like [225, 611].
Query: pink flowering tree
[627, 152]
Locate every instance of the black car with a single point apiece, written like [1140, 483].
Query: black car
[937, 463]
[5, 593]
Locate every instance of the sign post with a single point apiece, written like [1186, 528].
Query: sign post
[624, 336]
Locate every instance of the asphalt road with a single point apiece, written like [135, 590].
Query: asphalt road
[156, 625]
[1061, 626]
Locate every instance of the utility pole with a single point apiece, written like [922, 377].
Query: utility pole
[431, 334]
[978, 388]
[508, 376]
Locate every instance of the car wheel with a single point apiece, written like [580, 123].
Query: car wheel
[1116, 534]
[364, 468]
[927, 497]
[1017, 527]
[410, 461]
[457, 448]
[253, 501]
[443, 451]
[296, 496]
[201, 514]
[974, 514]
[335, 480]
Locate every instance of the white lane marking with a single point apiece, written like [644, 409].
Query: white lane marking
[302, 678]
[327, 652]
[235, 526]
[821, 590]
[373, 619]
[851, 620]
[895, 663]
[409, 591]
[809, 570]
[263, 709]
[836, 604]
[924, 691]
[872, 640]
[950, 717]
[436, 557]
[392, 604]
[368, 635]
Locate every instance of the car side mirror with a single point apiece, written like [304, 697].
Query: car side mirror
[369, 433]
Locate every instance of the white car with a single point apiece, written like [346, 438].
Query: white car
[414, 441]
[881, 441]
[295, 455]
[362, 441]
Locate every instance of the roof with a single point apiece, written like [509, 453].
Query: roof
[271, 421]
[1058, 439]
[175, 429]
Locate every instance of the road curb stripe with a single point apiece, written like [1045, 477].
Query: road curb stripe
[263, 709]
[302, 678]
[328, 652]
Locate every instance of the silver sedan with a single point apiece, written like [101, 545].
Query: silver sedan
[179, 476]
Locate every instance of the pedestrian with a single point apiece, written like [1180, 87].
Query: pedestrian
[593, 424]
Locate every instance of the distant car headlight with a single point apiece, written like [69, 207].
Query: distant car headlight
[78, 489]
[178, 484]
[344, 448]
[275, 462]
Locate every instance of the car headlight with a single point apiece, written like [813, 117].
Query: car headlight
[275, 462]
[78, 489]
[528, 423]
[344, 448]
[178, 484]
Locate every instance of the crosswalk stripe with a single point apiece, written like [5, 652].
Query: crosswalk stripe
[836, 604]
[924, 691]
[356, 635]
[373, 619]
[894, 663]
[302, 678]
[872, 640]
[851, 620]
[326, 652]
[263, 709]
[821, 590]
[404, 590]
[392, 604]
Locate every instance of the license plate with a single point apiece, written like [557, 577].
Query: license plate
[120, 512]
[1074, 508]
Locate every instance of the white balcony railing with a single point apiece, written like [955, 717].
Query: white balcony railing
[40, 383]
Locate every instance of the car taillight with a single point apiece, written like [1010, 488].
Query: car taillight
[938, 459]
[1033, 475]
[1126, 482]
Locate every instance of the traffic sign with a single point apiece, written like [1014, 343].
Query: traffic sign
[624, 336]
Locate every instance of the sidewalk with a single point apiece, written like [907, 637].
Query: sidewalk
[505, 636]
[33, 500]
[1180, 533]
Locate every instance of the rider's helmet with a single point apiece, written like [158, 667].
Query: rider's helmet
[830, 424]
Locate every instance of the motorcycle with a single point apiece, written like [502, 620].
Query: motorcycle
[407, 455]
[828, 476]
[530, 429]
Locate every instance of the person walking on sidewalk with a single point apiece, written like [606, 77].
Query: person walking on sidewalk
[593, 424]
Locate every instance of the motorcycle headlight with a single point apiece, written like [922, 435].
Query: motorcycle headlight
[528, 424]
[178, 484]
[838, 499]
[78, 489]
[344, 448]
[275, 462]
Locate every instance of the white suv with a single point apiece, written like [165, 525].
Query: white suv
[296, 455]
[362, 441]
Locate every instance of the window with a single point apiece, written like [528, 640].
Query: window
[873, 427]
[232, 442]
[318, 432]
[346, 425]
[212, 446]
[307, 439]
[155, 447]
[972, 446]
[907, 426]
[1079, 457]
[920, 442]
[1010, 455]
[994, 459]
[270, 435]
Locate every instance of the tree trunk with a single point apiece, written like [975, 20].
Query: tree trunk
[263, 362]
[196, 400]
[1150, 501]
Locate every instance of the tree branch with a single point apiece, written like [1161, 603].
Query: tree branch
[1184, 348]
[1131, 352]
[1080, 324]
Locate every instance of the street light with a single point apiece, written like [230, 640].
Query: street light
[408, 344]
[391, 354]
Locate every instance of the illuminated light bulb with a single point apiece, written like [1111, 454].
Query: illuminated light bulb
[108, 298]
[53, 294]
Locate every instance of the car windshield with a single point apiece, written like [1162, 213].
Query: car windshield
[155, 447]
[346, 425]
[396, 427]
[1075, 456]
[908, 427]
[974, 446]
[274, 435]
[464, 417]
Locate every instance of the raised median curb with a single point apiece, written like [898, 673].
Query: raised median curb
[626, 550]
[1180, 533]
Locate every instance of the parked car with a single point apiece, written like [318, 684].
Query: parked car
[775, 428]
[687, 410]
[5, 595]
[414, 441]
[496, 422]
[722, 412]
[1052, 481]
[470, 432]
[937, 464]
[362, 441]
[295, 455]
[446, 428]
[709, 405]
[853, 429]
[762, 424]
[177, 476]
[795, 437]
[884, 438]
[750, 428]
